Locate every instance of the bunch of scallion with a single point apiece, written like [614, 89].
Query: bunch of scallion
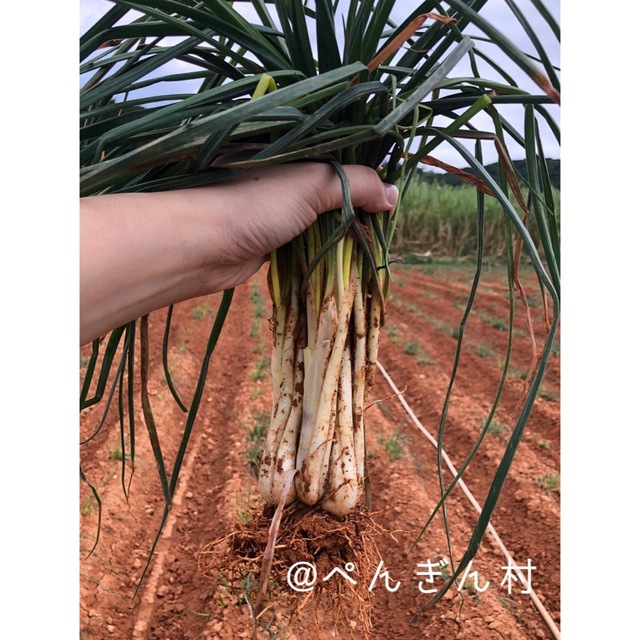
[178, 93]
[327, 315]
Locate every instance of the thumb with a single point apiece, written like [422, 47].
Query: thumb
[367, 190]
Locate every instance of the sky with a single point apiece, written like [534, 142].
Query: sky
[498, 13]
[39, 266]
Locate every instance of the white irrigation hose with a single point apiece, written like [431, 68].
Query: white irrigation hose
[536, 601]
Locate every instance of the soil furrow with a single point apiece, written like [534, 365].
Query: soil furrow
[216, 489]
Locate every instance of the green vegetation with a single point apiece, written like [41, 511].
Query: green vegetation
[394, 446]
[431, 177]
[497, 323]
[259, 310]
[496, 429]
[201, 311]
[411, 348]
[483, 350]
[518, 373]
[442, 219]
[448, 328]
[392, 332]
[262, 369]
[87, 506]
[115, 452]
[547, 394]
[550, 482]
[255, 440]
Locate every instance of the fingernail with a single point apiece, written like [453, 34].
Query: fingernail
[392, 194]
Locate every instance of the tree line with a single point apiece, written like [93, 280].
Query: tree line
[520, 166]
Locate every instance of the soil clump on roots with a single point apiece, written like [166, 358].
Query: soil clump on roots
[309, 566]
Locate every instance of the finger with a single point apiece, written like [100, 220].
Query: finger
[367, 191]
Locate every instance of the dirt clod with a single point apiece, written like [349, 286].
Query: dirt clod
[335, 554]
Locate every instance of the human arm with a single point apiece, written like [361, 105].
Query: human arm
[144, 251]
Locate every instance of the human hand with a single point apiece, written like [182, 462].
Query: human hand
[144, 251]
[266, 208]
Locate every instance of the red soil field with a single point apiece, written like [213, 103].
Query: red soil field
[217, 490]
